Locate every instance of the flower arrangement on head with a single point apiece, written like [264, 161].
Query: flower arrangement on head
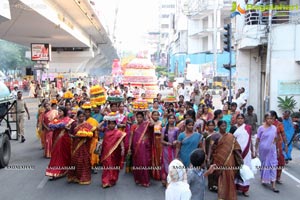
[56, 124]
[170, 99]
[84, 132]
[53, 101]
[140, 105]
[115, 97]
[68, 95]
[97, 94]
[86, 106]
[112, 116]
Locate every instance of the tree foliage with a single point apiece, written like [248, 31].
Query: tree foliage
[12, 56]
[161, 70]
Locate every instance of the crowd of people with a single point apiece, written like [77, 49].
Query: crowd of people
[80, 138]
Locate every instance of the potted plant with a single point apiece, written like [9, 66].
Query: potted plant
[286, 103]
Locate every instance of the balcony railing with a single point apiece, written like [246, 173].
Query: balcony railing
[256, 17]
[194, 7]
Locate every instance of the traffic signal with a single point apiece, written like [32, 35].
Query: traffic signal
[227, 66]
[227, 39]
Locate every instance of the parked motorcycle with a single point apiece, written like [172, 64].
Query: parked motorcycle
[296, 138]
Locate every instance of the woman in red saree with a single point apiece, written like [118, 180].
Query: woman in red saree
[50, 114]
[61, 149]
[122, 124]
[281, 139]
[141, 145]
[80, 133]
[112, 152]
[224, 157]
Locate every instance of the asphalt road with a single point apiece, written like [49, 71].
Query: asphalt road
[31, 183]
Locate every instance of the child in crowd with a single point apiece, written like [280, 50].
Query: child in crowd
[178, 189]
[196, 174]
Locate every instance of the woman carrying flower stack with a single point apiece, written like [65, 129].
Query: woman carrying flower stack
[81, 134]
[61, 148]
[112, 151]
[89, 119]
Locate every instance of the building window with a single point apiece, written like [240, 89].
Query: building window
[164, 16]
[164, 35]
[168, 6]
[165, 26]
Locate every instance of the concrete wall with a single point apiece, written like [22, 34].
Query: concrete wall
[68, 61]
[248, 66]
[283, 65]
[284, 47]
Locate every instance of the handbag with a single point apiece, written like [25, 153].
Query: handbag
[98, 148]
[246, 173]
[255, 165]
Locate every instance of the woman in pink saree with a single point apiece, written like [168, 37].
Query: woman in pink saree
[141, 146]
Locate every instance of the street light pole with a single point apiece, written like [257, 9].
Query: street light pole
[268, 65]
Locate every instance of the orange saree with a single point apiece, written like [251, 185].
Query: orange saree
[224, 158]
[94, 141]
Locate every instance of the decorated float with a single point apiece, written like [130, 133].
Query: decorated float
[141, 71]
[117, 72]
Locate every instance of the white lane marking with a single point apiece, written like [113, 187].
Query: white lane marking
[43, 182]
[291, 176]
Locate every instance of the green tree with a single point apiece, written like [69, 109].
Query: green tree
[12, 56]
[161, 70]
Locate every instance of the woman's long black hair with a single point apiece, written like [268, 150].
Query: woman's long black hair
[217, 113]
[65, 111]
[192, 113]
[166, 137]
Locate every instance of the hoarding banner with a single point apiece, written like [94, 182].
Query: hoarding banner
[40, 52]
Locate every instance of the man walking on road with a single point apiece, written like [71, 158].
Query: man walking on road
[20, 110]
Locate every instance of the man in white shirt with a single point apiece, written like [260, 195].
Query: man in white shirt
[242, 101]
[142, 90]
[15, 91]
[161, 83]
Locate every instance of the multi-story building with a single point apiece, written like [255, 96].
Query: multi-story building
[167, 9]
[268, 53]
[206, 19]
[152, 39]
[178, 40]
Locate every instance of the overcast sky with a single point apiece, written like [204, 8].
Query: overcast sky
[135, 17]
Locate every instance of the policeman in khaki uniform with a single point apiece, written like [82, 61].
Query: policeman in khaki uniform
[20, 110]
